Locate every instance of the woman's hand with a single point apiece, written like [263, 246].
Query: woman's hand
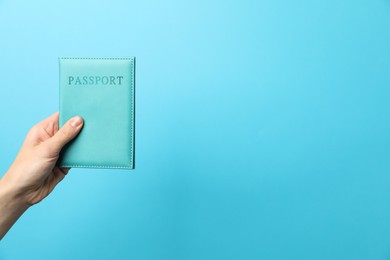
[34, 174]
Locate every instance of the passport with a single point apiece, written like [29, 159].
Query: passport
[101, 91]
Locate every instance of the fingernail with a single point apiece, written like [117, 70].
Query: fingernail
[76, 121]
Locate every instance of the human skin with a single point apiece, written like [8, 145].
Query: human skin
[33, 175]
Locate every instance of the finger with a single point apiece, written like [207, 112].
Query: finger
[58, 176]
[50, 124]
[53, 118]
[64, 170]
[65, 134]
[43, 130]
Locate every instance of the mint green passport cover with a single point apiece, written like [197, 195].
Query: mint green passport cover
[101, 91]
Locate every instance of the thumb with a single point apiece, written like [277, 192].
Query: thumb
[66, 133]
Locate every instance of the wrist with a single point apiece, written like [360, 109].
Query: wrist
[12, 194]
[12, 206]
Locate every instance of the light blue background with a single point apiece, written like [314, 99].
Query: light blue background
[262, 129]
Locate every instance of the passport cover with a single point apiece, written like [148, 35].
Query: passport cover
[101, 91]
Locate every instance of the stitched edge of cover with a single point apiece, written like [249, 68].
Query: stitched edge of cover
[95, 166]
[132, 114]
[119, 58]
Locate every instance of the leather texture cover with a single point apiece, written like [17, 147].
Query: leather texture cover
[101, 91]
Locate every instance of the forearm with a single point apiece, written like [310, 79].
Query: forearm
[12, 206]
